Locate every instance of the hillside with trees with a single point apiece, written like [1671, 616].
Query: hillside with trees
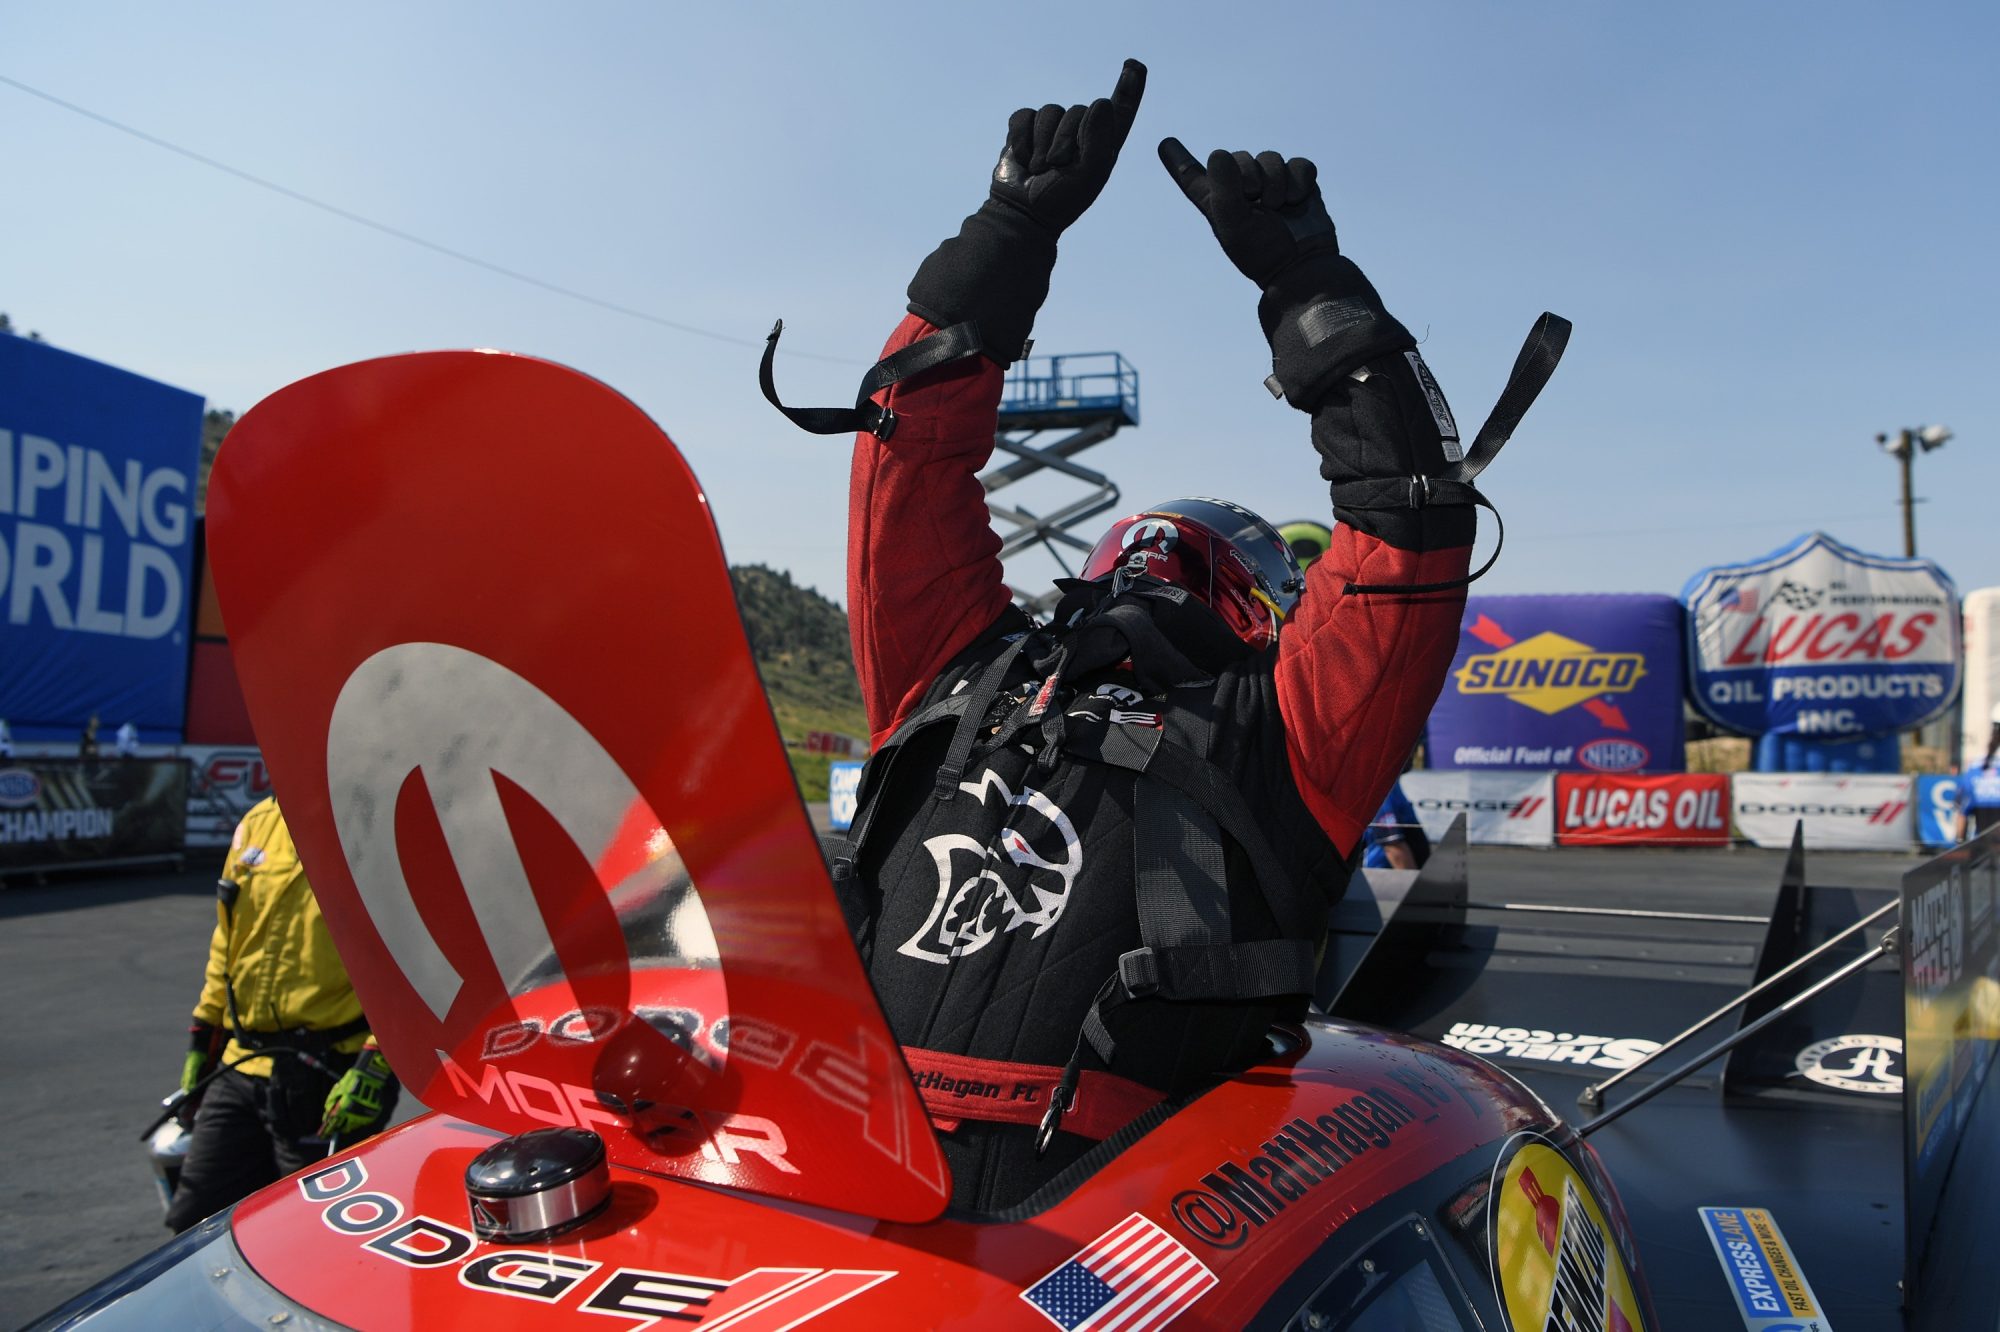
[799, 639]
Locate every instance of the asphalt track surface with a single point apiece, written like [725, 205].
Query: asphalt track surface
[97, 975]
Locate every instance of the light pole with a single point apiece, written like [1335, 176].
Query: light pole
[1903, 446]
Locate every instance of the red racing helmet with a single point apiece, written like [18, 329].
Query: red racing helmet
[1228, 557]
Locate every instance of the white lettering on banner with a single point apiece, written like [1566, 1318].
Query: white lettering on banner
[1625, 807]
[1859, 812]
[61, 571]
[463, 720]
[54, 825]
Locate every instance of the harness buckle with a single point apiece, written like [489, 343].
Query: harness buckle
[1420, 491]
[1139, 972]
[1060, 1102]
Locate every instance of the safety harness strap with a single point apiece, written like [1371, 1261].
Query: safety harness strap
[960, 1087]
[927, 353]
[1536, 361]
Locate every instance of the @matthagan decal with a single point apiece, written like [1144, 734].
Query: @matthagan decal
[1771, 1293]
[1855, 1063]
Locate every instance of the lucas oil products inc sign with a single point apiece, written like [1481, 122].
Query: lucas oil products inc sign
[1579, 684]
[1818, 639]
[97, 477]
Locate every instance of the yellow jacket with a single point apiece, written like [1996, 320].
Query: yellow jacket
[272, 945]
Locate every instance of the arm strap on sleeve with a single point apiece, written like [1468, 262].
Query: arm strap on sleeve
[1537, 361]
[928, 353]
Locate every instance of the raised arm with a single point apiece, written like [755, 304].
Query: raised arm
[923, 565]
[1367, 648]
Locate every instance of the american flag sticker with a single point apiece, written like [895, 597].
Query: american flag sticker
[1132, 1278]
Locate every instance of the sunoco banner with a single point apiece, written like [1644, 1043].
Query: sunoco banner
[56, 813]
[1820, 639]
[1503, 808]
[1578, 683]
[97, 472]
[1855, 813]
[1675, 809]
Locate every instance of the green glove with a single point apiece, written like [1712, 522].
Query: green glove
[355, 1103]
[204, 1040]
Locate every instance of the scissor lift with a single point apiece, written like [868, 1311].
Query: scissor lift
[1086, 397]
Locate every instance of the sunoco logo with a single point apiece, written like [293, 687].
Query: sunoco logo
[1550, 673]
[19, 788]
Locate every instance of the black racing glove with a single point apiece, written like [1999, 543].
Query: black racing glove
[1379, 418]
[995, 272]
[1320, 315]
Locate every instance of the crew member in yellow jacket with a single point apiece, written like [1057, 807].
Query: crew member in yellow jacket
[299, 1073]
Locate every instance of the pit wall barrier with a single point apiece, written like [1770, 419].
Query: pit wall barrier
[1871, 812]
[71, 813]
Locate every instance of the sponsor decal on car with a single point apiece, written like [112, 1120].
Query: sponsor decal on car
[1244, 1192]
[1556, 1263]
[765, 1299]
[1549, 1047]
[1134, 1277]
[1771, 1292]
[1871, 1064]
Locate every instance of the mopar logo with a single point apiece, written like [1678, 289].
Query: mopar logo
[1611, 755]
[18, 788]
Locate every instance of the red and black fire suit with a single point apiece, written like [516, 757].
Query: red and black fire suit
[989, 921]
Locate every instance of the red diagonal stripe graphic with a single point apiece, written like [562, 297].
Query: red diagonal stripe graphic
[1607, 713]
[1490, 633]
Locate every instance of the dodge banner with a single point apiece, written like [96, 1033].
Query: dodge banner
[1675, 809]
[1867, 812]
[1500, 808]
[1818, 639]
[1579, 683]
[68, 813]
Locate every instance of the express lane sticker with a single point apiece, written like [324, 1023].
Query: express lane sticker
[1556, 1262]
[1771, 1292]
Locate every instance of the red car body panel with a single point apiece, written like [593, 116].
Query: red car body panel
[1409, 1109]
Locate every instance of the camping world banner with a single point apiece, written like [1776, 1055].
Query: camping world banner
[1818, 639]
[1577, 683]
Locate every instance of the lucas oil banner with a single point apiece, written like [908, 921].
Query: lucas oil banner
[1583, 684]
[97, 474]
[1675, 809]
[1818, 639]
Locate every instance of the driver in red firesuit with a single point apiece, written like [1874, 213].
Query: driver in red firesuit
[1092, 861]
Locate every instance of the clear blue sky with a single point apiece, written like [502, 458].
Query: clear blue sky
[1773, 225]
